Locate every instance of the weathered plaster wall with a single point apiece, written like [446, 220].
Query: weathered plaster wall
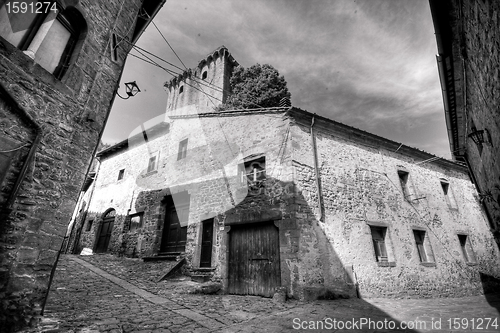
[209, 173]
[67, 116]
[361, 187]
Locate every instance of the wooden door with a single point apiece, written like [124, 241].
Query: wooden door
[105, 232]
[254, 262]
[175, 229]
[206, 243]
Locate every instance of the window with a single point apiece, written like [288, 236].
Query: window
[182, 149]
[136, 221]
[253, 175]
[49, 38]
[114, 48]
[255, 170]
[204, 75]
[152, 164]
[450, 200]
[466, 249]
[89, 225]
[423, 246]
[378, 237]
[120, 174]
[403, 179]
[181, 90]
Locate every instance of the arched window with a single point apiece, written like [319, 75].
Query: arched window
[46, 32]
[181, 89]
[204, 75]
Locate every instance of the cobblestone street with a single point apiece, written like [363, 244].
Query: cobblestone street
[104, 293]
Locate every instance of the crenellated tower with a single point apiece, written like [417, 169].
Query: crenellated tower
[202, 88]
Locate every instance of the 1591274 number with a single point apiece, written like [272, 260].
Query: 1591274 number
[473, 323]
[33, 7]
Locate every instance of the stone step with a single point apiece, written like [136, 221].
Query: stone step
[200, 278]
[167, 256]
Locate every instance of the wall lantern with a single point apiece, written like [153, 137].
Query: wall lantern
[481, 136]
[131, 89]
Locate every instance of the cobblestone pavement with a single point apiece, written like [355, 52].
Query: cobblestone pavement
[104, 293]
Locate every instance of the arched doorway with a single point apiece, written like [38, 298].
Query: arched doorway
[105, 230]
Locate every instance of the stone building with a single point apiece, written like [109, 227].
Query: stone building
[468, 35]
[280, 197]
[60, 65]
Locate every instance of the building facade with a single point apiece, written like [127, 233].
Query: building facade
[467, 34]
[60, 64]
[282, 198]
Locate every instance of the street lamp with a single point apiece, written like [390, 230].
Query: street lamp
[480, 136]
[131, 89]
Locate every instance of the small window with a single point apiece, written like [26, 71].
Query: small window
[466, 247]
[182, 149]
[204, 75]
[181, 90]
[403, 179]
[255, 170]
[136, 221]
[89, 225]
[450, 200]
[152, 164]
[378, 237]
[114, 48]
[120, 174]
[423, 246]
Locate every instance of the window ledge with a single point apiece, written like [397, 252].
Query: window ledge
[150, 173]
[428, 264]
[471, 263]
[386, 264]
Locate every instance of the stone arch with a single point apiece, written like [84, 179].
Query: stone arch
[105, 229]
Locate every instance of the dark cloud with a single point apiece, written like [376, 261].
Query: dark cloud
[370, 64]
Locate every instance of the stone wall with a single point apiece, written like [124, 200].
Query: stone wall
[360, 189]
[479, 25]
[326, 249]
[209, 172]
[202, 88]
[53, 127]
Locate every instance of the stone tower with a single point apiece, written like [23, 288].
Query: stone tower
[59, 73]
[202, 88]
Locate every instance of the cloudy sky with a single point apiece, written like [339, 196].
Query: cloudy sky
[366, 63]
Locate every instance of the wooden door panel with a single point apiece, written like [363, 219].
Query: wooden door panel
[104, 235]
[175, 230]
[254, 260]
[206, 243]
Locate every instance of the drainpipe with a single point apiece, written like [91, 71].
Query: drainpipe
[318, 183]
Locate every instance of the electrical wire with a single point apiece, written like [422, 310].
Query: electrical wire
[14, 149]
[168, 44]
[169, 71]
[197, 80]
